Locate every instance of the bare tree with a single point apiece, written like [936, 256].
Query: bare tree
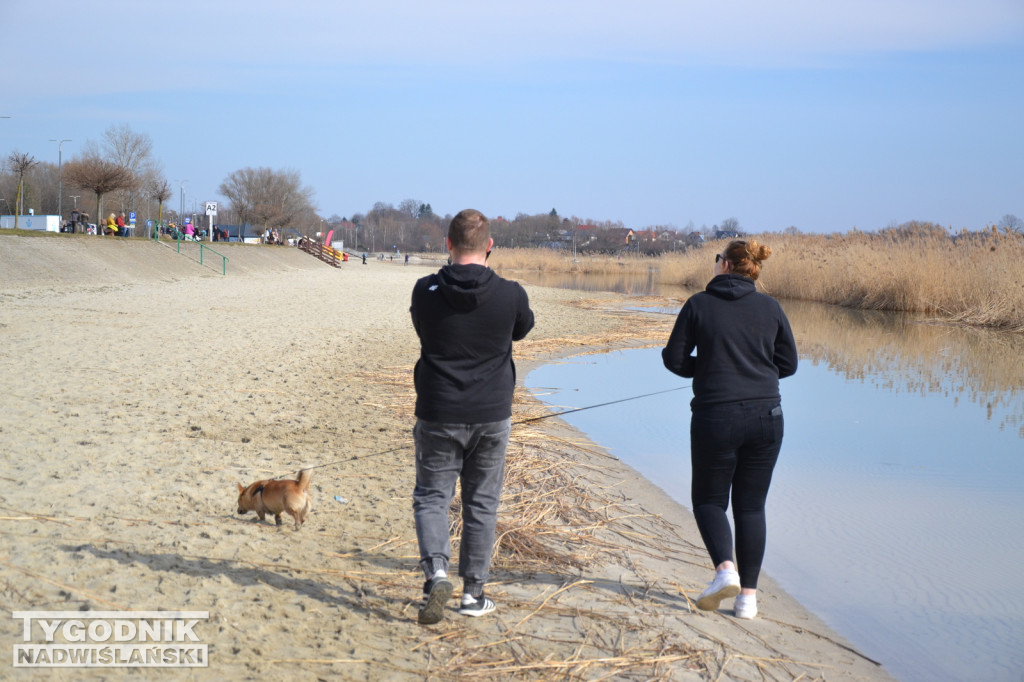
[132, 151]
[410, 207]
[386, 223]
[730, 225]
[160, 190]
[97, 175]
[19, 164]
[126, 147]
[269, 198]
[39, 189]
[1011, 223]
[240, 188]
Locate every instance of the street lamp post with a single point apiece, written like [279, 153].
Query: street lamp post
[181, 208]
[60, 179]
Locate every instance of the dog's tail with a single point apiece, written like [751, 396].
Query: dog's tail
[305, 476]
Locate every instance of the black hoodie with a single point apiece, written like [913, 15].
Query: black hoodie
[467, 318]
[743, 340]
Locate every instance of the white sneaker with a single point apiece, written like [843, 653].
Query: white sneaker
[726, 584]
[475, 606]
[745, 606]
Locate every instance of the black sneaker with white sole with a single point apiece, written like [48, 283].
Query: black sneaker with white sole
[426, 590]
[475, 606]
[436, 592]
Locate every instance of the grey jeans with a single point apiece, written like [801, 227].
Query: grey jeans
[475, 455]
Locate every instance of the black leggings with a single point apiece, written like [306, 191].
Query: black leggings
[734, 447]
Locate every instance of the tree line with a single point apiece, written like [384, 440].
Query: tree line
[120, 174]
[414, 226]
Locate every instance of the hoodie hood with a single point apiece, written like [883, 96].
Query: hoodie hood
[730, 287]
[466, 287]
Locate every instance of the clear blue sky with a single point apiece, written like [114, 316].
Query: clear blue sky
[822, 115]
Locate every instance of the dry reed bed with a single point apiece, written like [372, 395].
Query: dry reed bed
[972, 279]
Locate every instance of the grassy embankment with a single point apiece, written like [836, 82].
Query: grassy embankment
[974, 279]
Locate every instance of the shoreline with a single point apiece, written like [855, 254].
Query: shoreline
[142, 387]
[785, 610]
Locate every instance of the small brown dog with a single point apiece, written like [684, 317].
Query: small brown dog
[276, 497]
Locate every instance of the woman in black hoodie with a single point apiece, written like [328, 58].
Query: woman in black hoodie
[744, 345]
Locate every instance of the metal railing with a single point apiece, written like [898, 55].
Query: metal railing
[202, 248]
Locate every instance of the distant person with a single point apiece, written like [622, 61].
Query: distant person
[406, 259]
[466, 318]
[744, 345]
[364, 258]
[121, 231]
[110, 227]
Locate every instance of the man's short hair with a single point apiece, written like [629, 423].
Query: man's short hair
[470, 231]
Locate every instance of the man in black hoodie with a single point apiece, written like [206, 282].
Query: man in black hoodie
[466, 317]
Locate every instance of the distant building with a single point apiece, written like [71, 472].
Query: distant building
[240, 233]
[641, 236]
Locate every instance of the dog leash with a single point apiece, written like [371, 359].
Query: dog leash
[343, 461]
[517, 423]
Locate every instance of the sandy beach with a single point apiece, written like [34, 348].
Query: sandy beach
[138, 387]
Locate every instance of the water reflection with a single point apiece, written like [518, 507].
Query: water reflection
[904, 354]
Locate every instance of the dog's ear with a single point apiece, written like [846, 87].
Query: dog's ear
[241, 488]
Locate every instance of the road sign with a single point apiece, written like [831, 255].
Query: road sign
[211, 208]
[131, 218]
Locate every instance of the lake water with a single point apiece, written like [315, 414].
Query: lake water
[897, 509]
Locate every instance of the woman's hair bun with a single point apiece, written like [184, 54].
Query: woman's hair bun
[757, 252]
